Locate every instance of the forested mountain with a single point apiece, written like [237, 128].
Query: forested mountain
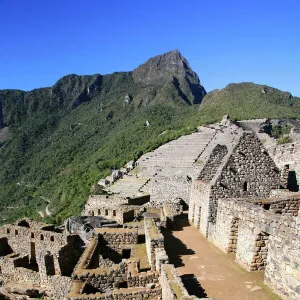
[56, 142]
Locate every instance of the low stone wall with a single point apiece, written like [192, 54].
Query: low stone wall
[154, 240]
[140, 279]
[172, 286]
[58, 286]
[172, 208]
[288, 205]
[120, 294]
[161, 258]
[118, 238]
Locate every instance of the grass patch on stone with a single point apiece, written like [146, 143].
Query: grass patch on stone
[139, 252]
[175, 287]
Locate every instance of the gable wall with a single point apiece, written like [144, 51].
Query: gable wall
[249, 163]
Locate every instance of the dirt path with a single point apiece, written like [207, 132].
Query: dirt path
[208, 272]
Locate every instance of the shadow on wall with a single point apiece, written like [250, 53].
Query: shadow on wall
[193, 286]
[69, 255]
[292, 182]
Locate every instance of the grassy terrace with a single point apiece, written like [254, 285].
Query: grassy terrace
[139, 252]
[175, 286]
[153, 231]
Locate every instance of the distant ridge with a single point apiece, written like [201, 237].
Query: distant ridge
[247, 100]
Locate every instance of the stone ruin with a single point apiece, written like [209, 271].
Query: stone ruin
[239, 170]
[113, 207]
[37, 258]
[240, 202]
[127, 263]
[239, 194]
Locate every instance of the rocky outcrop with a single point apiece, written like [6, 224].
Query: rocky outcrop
[84, 226]
[174, 70]
[72, 90]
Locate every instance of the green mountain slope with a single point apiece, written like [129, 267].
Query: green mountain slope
[56, 142]
[248, 100]
[64, 138]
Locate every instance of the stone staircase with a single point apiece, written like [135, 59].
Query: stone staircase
[128, 186]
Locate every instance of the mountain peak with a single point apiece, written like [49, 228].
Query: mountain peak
[170, 64]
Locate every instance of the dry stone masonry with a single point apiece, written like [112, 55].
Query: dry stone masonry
[246, 209]
[38, 254]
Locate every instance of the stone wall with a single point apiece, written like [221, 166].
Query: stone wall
[249, 173]
[115, 208]
[119, 214]
[170, 210]
[265, 241]
[288, 156]
[161, 258]
[118, 238]
[164, 189]
[140, 279]
[213, 163]
[200, 205]
[172, 286]
[288, 205]
[38, 240]
[154, 240]
[120, 294]
[56, 287]
[99, 278]
[246, 172]
[109, 280]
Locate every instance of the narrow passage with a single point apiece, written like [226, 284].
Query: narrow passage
[208, 272]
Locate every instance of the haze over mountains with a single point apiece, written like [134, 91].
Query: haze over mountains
[56, 142]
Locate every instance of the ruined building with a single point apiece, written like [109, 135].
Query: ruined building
[120, 209]
[237, 203]
[38, 256]
[240, 169]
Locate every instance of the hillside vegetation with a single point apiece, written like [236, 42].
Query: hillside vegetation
[57, 142]
[248, 101]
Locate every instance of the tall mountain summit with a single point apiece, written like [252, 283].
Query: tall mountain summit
[173, 70]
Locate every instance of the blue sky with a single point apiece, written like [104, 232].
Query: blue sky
[224, 41]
